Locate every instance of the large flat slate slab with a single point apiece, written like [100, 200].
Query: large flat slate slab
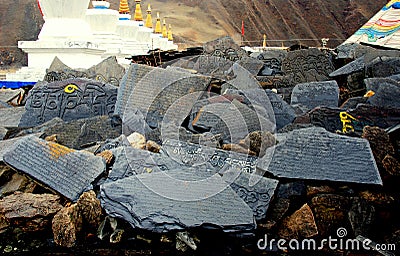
[64, 170]
[272, 61]
[6, 145]
[316, 154]
[225, 48]
[315, 94]
[387, 92]
[69, 100]
[176, 200]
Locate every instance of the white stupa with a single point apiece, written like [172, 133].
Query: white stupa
[82, 37]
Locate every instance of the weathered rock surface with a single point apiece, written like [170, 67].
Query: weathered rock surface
[300, 224]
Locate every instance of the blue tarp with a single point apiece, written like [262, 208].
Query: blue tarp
[15, 84]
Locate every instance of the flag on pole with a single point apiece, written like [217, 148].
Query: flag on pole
[242, 28]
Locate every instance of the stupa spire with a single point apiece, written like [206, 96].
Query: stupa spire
[170, 37]
[164, 30]
[265, 41]
[158, 29]
[149, 20]
[138, 11]
[124, 7]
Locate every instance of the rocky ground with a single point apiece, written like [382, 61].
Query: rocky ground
[222, 153]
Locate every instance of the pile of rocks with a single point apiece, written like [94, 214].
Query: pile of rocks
[219, 153]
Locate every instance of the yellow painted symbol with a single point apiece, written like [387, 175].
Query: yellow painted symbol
[369, 94]
[70, 88]
[346, 121]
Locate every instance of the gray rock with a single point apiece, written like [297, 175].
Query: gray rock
[354, 66]
[6, 145]
[258, 196]
[387, 92]
[383, 66]
[252, 65]
[64, 170]
[107, 71]
[352, 103]
[284, 113]
[272, 61]
[127, 84]
[216, 160]
[11, 117]
[176, 200]
[7, 95]
[315, 94]
[314, 153]
[225, 48]
[68, 99]
[83, 133]
[308, 65]
[3, 132]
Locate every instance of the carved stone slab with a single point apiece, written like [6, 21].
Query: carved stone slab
[316, 154]
[354, 120]
[219, 161]
[308, 65]
[252, 65]
[272, 61]
[70, 100]
[64, 170]
[6, 145]
[315, 94]
[257, 196]
[107, 71]
[82, 133]
[224, 47]
[387, 92]
[127, 84]
[176, 200]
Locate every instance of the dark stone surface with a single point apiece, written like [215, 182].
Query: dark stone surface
[130, 161]
[241, 79]
[257, 196]
[107, 71]
[301, 224]
[292, 190]
[3, 132]
[127, 84]
[387, 92]
[352, 67]
[237, 120]
[353, 102]
[176, 200]
[6, 145]
[383, 66]
[68, 99]
[67, 171]
[218, 161]
[361, 216]
[7, 95]
[308, 65]
[354, 120]
[314, 153]
[164, 95]
[225, 48]
[84, 132]
[11, 117]
[272, 61]
[284, 113]
[250, 64]
[315, 94]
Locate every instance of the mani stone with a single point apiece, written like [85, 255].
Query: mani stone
[257, 196]
[284, 113]
[6, 145]
[387, 92]
[383, 66]
[107, 71]
[352, 67]
[7, 95]
[315, 154]
[166, 95]
[130, 161]
[225, 48]
[250, 64]
[219, 161]
[11, 117]
[315, 94]
[272, 60]
[70, 100]
[83, 133]
[307, 65]
[64, 170]
[354, 120]
[176, 200]
[127, 84]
